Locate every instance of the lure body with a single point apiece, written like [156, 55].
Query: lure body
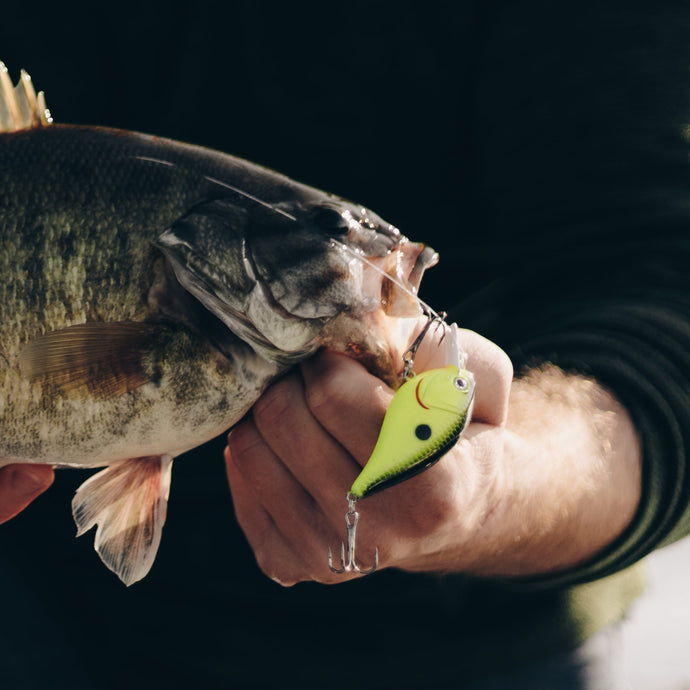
[424, 420]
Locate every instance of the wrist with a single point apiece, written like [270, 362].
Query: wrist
[566, 484]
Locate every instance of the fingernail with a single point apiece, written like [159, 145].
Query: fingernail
[29, 480]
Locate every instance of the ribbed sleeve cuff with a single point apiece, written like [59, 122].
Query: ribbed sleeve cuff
[642, 354]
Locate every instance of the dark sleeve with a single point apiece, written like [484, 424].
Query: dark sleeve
[583, 169]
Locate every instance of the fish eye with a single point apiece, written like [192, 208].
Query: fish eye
[329, 220]
[460, 383]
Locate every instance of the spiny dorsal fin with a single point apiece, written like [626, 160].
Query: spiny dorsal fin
[20, 107]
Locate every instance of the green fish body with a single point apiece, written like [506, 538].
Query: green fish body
[152, 290]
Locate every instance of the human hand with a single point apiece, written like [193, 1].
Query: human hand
[537, 491]
[21, 484]
[290, 467]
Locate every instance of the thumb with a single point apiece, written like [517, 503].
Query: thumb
[21, 484]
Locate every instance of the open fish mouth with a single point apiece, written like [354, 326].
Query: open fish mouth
[392, 265]
[387, 269]
[403, 275]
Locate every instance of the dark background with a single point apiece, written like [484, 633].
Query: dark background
[375, 102]
[477, 127]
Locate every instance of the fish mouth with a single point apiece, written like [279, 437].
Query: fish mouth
[392, 266]
[380, 336]
[402, 272]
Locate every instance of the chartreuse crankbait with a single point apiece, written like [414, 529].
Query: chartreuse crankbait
[424, 420]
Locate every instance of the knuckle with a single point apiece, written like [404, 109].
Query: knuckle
[323, 395]
[243, 440]
[493, 373]
[274, 406]
[428, 508]
[345, 390]
[503, 368]
[274, 570]
[283, 580]
[422, 522]
[323, 391]
[435, 514]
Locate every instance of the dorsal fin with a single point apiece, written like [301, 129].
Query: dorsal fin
[20, 107]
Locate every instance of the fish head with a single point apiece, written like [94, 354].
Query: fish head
[383, 270]
[386, 266]
[289, 278]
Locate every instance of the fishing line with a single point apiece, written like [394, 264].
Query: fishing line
[220, 183]
[251, 197]
[431, 313]
[424, 306]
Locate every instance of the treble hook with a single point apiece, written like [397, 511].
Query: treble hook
[409, 355]
[347, 560]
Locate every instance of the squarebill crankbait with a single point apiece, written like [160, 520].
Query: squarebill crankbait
[423, 421]
[425, 418]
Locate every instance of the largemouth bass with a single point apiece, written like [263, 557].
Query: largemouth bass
[151, 290]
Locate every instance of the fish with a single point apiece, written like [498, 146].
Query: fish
[153, 289]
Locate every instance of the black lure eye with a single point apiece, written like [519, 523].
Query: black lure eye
[422, 432]
[460, 383]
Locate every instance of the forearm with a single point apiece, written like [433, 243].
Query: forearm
[568, 482]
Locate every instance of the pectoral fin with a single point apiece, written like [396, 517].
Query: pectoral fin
[128, 501]
[106, 359]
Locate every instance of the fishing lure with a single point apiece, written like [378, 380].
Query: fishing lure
[424, 420]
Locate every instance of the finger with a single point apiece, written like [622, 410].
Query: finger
[347, 401]
[493, 375]
[286, 425]
[491, 367]
[290, 540]
[271, 483]
[21, 484]
[260, 530]
[293, 510]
